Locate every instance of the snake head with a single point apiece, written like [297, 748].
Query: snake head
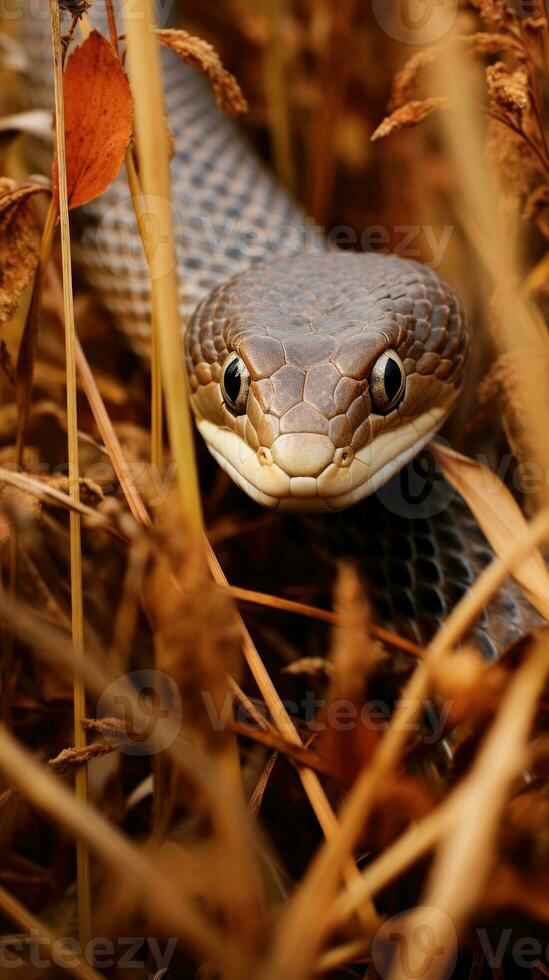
[314, 379]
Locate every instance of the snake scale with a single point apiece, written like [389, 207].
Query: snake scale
[315, 376]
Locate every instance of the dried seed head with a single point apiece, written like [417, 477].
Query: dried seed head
[201, 55]
[409, 115]
[508, 89]
[406, 79]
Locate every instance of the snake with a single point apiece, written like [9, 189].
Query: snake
[317, 377]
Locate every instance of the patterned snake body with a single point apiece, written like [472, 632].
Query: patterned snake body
[314, 376]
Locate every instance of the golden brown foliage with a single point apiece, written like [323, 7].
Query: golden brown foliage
[198, 653]
[201, 55]
[508, 89]
[409, 115]
[98, 119]
[19, 243]
[149, 602]
[500, 391]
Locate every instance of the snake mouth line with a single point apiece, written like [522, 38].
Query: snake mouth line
[337, 487]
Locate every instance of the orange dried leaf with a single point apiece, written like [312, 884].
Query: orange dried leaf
[98, 119]
[499, 516]
[408, 115]
[19, 243]
[201, 55]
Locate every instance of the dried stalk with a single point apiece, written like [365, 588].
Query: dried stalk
[224, 804]
[332, 84]
[304, 925]
[159, 896]
[17, 912]
[81, 781]
[466, 852]
[324, 616]
[145, 74]
[146, 79]
[516, 326]
[27, 349]
[51, 495]
[140, 216]
[109, 437]
[309, 779]
[276, 93]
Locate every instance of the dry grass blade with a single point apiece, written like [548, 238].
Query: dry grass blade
[225, 805]
[77, 604]
[146, 80]
[310, 781]
[167, 355]
[324, 615]
[466, 853]
[515, 324]
[333, 79]
[104, 424]
[306, 920]
[159, 897]
[304, 757]
[22, 917]
[112, 443]
[25, 360]
[409, 847]
[275, 89]
[499, 516]
[50, 495]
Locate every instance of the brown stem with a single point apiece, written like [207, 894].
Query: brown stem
[27, 350]
[113, 33]
[333, 81]
[537, 150]
[537, 101]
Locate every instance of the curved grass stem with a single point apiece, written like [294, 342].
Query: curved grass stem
[77, 611]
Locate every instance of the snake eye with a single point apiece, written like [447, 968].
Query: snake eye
[236, 383]
[387, 382]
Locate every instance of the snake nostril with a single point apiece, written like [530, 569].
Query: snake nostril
[343, 457]
[265, 456]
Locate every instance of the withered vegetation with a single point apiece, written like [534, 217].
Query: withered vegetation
[241, 813]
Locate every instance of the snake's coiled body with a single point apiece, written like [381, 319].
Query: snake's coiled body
[305, 343]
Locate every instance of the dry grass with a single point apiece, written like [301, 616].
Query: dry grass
[246, 846]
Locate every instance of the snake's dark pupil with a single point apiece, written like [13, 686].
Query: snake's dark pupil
[392, 379]
[232, 380]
